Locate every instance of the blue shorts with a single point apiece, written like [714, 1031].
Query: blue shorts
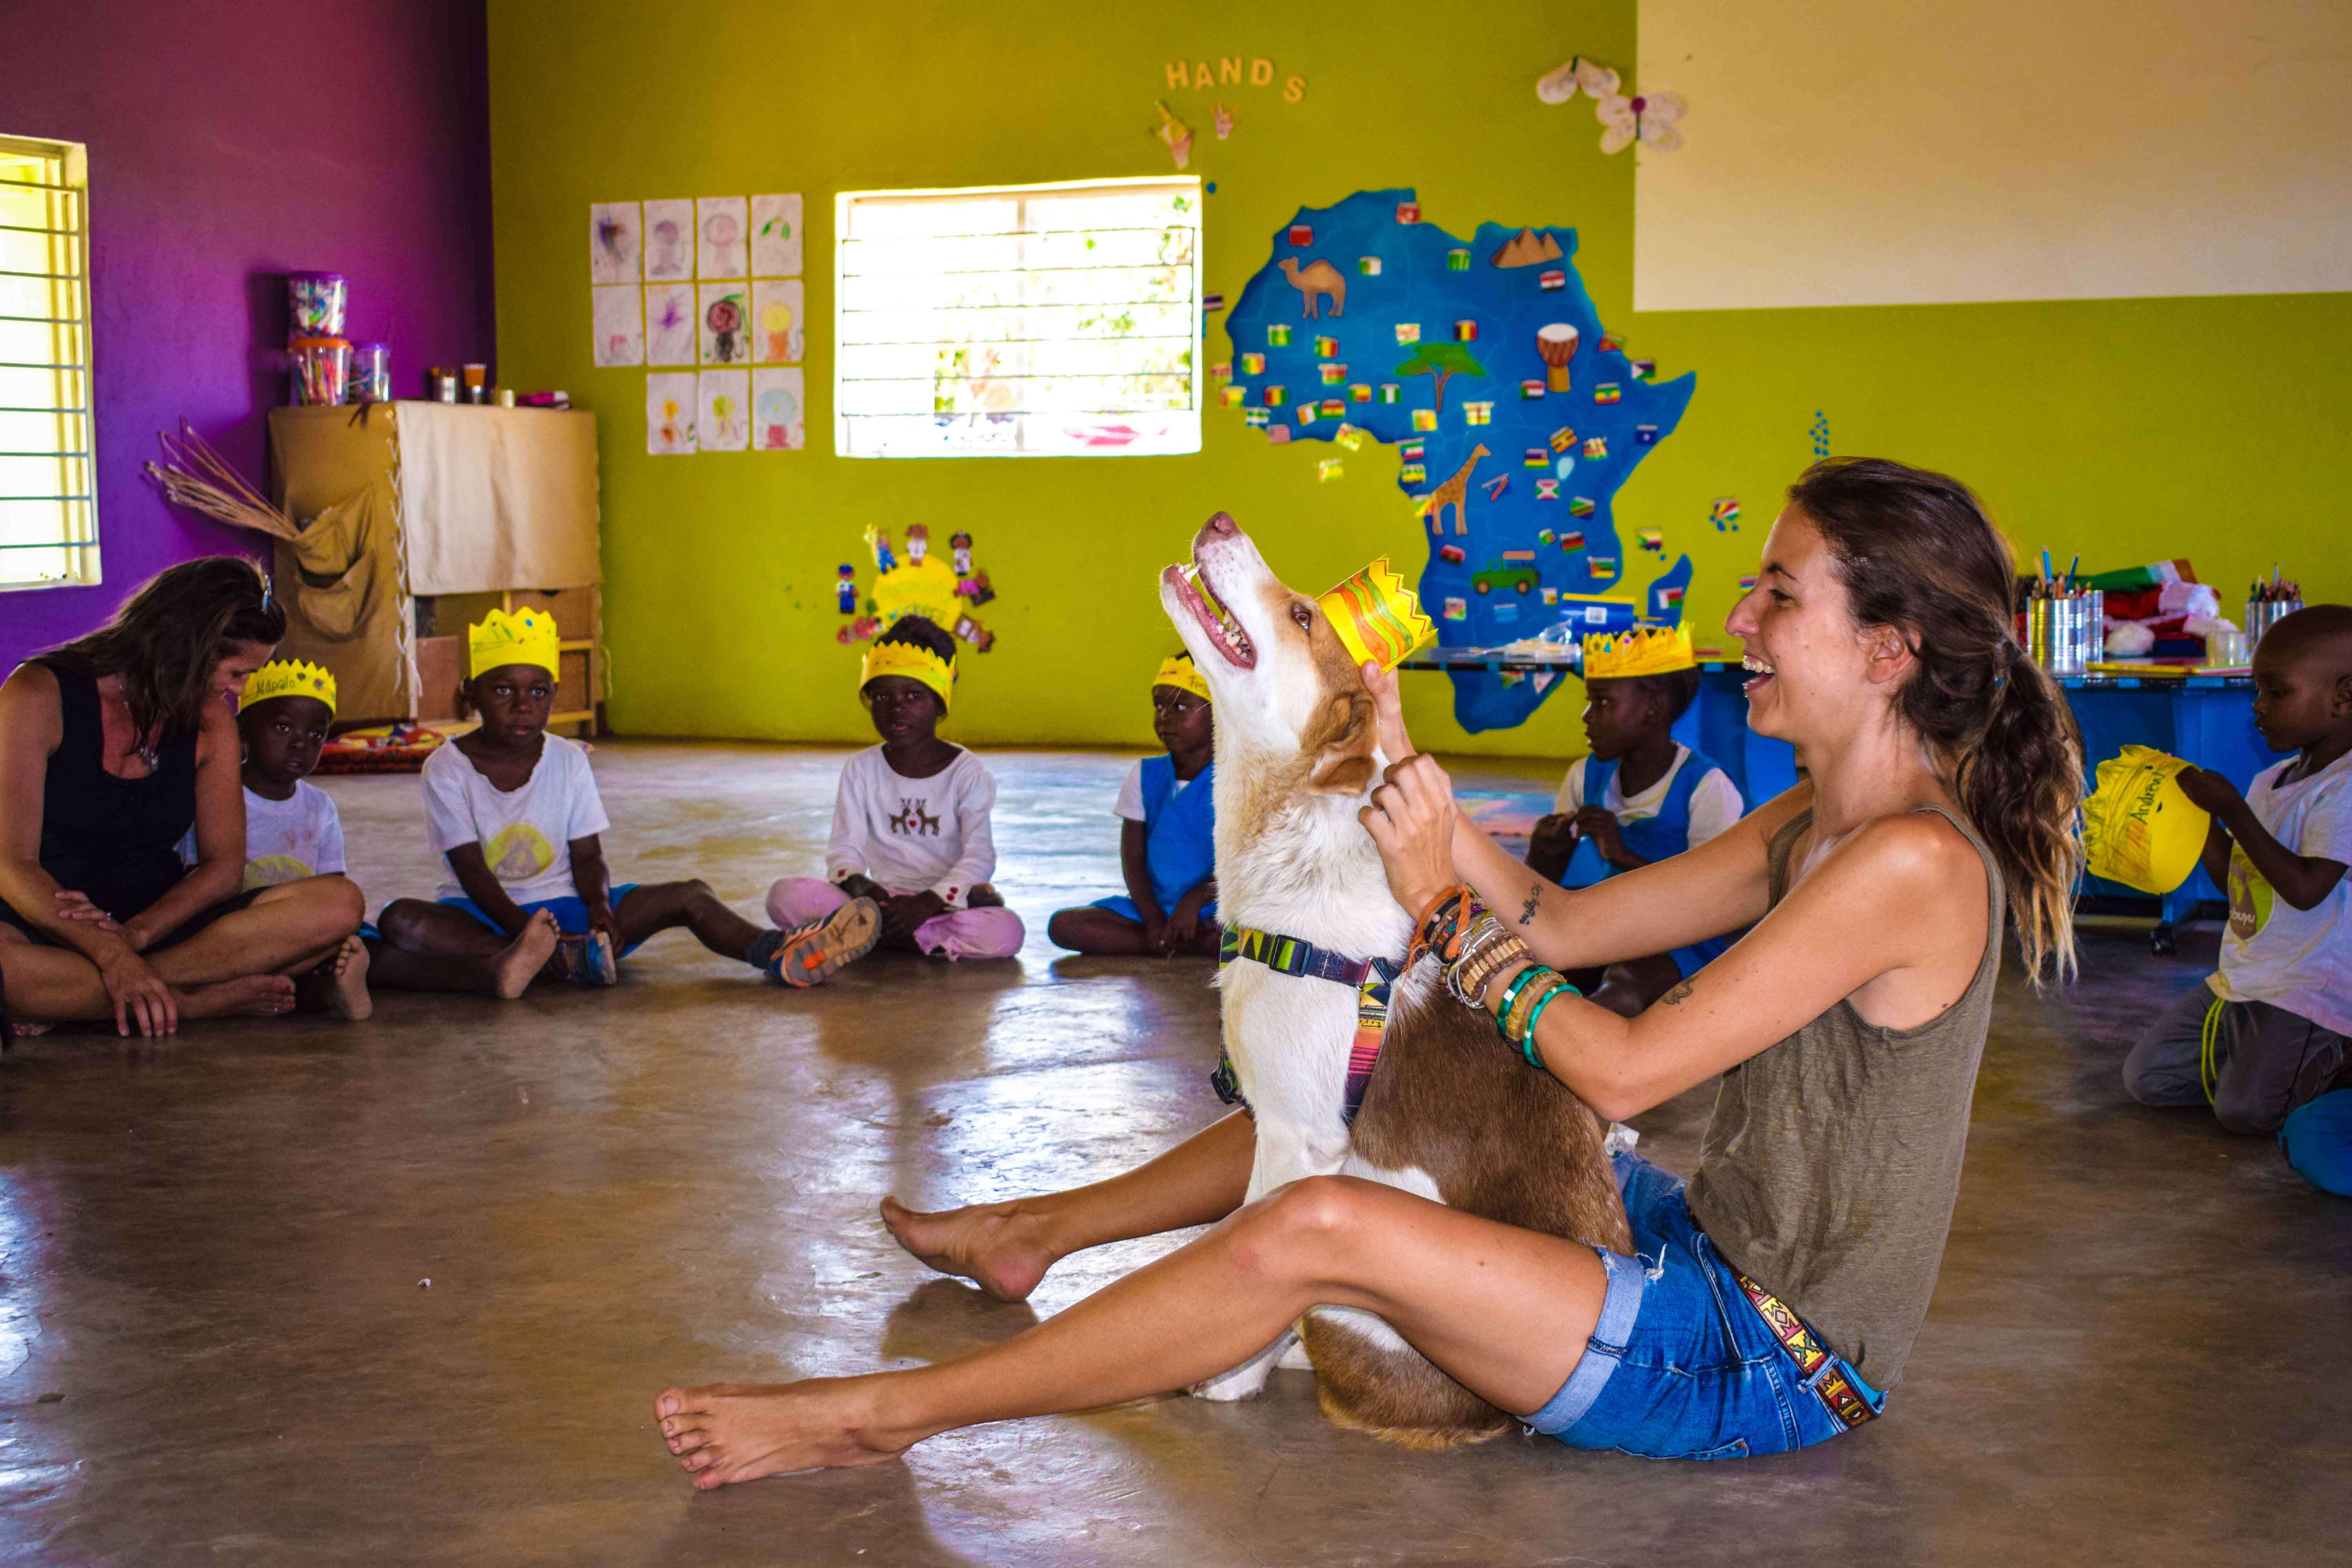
[1124, 907]
[571, 914]
[1681, 1365]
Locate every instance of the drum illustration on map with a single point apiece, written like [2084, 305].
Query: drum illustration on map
[1556, 344]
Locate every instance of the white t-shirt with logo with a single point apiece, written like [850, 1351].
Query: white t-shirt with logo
[914, 835]
[526, 837]
[286, 840]
[2300, 960]
[1714, 803]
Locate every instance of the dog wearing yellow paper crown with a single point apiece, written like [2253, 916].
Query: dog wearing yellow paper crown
[1347, 1064]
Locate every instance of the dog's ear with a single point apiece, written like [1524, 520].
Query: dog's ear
[1340, 741]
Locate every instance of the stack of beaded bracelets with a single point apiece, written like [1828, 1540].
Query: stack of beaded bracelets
[1474, 948]
[1531, 990]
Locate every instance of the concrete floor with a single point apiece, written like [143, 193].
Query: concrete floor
[218, 1343]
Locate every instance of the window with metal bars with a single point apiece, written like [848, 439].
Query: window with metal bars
[48, 505]
[1018, 321]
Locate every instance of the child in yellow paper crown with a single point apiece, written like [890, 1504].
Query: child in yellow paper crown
[1640, 796]
[1167, 844]
[910, 820]
[515, 813]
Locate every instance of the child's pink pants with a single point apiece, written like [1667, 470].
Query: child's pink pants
[990, 932]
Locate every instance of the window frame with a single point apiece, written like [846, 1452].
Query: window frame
[79, 535]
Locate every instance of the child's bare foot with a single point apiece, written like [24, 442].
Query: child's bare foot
[996, 1247]
[738, 1432]
[253, 996]
[347, 992]
[524, 957]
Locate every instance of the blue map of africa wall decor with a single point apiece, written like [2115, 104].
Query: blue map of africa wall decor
[1515, 416]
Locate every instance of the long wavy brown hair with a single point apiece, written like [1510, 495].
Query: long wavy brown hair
[167, 637]
[1916, 552]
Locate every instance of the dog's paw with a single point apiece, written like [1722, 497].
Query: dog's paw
[1246, 1382]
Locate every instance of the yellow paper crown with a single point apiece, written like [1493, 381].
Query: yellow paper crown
[1642, 650]
[925, 588]
[289, 677]
[915, 663]
[525, 636]
[1178, 670]
[1377, 616]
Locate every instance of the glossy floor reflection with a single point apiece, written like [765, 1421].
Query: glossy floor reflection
[300, 1293]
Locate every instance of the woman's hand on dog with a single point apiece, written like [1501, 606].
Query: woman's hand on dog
[1412, 820]
[1388, 711]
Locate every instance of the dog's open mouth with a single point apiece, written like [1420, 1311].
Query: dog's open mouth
[1223, 630]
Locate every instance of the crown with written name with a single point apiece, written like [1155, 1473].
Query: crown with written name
[288, 677]
[915, 663]
[525, 637]
[1377, 616]
[1642, 650]
[1179, 672]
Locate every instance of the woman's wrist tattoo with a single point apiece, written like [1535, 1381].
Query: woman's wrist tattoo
[1528, 909]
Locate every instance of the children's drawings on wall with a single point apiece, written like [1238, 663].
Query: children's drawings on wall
[776, 235]
[776, 331]
[670, 404]
[612, 248]
[724, 410]
[723, 237]
[779, 411]
[619, 329]
[669, 240]
[726, 320]
[669, 323]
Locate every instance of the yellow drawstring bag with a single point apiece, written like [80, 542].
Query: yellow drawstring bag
[2138, 827]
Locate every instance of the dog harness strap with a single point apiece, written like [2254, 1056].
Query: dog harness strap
[1371, 978]
[1823, 1372]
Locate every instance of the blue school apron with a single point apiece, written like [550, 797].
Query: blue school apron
[1653, 838]
[1180, 837]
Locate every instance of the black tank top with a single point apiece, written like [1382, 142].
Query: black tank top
[115, 839]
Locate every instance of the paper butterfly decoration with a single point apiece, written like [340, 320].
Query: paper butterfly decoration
[1592, 76]
[1647, 117]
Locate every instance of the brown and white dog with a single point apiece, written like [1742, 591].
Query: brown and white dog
[1450, 1113]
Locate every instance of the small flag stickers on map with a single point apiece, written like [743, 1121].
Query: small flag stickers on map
[1497, 486]
[1478, 414]
[1746, 582]
[1611, 343]
[1457, 609]
[1573, 541]
[1643, 369]
[1278, 337]
[1562, 439]
[1504, 611]
[1328, 469]
[1302, 234]
[1222, 370]
[1390, 392]
[1212, 303]
[1233, 396]
[1547, 490]
[1596, 447]
[1276, 395]
[1306, 411]
[1724, 513]
[1411, 474]
[1350, 437]
[1333, 408]
[1606, 393]
[1601, 565]
[1645, 435]
[1424, 419]
[1277, 435]
[1552, 596]
[1544, 536]
[1667, 595]
[1412, 451]
[1457, 261]
[1359, 392]
[1531, 388]
[1580, 507]
[1508, 678]
[1551, 277]
[1252, 415]
[1408, 212]
[1332, 371]
[1253, 364]
[1408, 331]
[1536, 458]
[1368, 266]
[1450, 554]
[1652, 539]
[1466, 331]
[1327, 348]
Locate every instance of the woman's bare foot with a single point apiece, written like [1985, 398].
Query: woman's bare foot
[998, 1247]
[250, 996]
[738, 1432]
[524, 957]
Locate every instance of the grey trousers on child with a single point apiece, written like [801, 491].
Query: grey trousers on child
[2266, 1061]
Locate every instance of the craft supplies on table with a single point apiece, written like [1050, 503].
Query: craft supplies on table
[315, 305]
[323, 370]
[2269, 603]
[2063, 631]
[371, 373]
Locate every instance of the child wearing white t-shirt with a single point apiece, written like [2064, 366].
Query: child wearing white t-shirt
[910, 827]
[2271, 1032]
[286, 840]
[516, 815]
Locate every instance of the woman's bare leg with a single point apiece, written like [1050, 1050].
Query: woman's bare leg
[1505, 1312]
[58, 985]
[1006, 1248]
[294, 925]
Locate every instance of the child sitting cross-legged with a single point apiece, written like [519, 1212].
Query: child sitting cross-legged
[910, 827]
[516, 814]
[1640, 796]
[1167, 844]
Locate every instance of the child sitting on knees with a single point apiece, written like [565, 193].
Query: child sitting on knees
[515, 813]
[1167, 844]
[2266, 1040]
[1642, 796]
[910, 818]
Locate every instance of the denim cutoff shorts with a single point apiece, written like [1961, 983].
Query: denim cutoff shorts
[1682, 1366]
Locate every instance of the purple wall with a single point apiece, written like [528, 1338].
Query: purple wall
[230, 143]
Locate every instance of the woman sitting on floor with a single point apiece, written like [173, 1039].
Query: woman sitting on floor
[111, 747]
[1778, 1295]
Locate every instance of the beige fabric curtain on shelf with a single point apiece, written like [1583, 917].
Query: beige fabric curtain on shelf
[341, 580]
[534, 469]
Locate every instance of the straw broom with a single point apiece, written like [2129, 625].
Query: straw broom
[195, 476]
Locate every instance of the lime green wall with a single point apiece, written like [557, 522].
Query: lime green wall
[2130, 430]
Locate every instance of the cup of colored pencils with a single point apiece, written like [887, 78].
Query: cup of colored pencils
[322, 369]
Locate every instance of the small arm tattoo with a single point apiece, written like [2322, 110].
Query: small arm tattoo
[1675, 998]
[1528, 910]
